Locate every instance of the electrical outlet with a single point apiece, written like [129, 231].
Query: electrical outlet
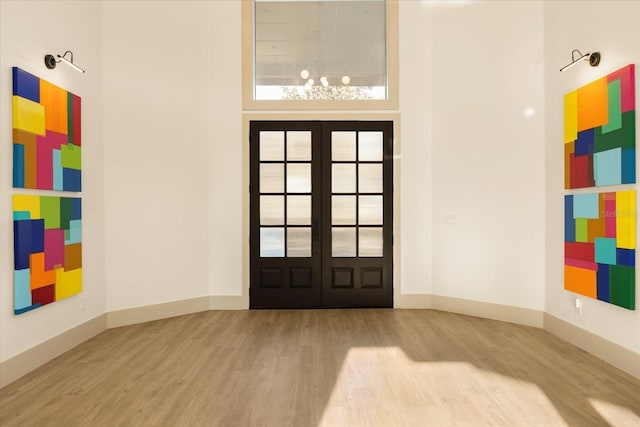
[578, 306]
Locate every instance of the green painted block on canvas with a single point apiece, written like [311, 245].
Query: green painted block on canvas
[70, 156]
[70, 117]
[65, 212]
[625, 137]
[50, 211]
[582, 230]
[615, 107]
[622, 286]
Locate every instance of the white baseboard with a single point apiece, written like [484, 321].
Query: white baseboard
[228, 302]
[148, 313]
[412, 301]
[487, 310]
[29, 360]
[612, 353]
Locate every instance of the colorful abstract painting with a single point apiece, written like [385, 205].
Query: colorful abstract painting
[47, 139]
[47, 250]
[599, 248]
[600, 132]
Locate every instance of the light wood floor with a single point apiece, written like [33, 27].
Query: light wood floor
[325, 367]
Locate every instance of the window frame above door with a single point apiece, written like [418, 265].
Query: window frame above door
[248, 71]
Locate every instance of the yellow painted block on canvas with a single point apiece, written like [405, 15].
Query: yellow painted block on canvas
[54, 99]
[626, 219]
[28, 115]
[26, 203]
[68, 283]
[593, 105]
[571, 117]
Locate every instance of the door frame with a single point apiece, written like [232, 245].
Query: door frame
[246, 121]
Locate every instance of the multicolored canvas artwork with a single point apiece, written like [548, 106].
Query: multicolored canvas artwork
[600, 132]
[47, 250]
[599, 248]
[46, 135]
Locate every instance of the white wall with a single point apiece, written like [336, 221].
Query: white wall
[613, 28]
[28, 31]
[487, 137]
[416, 144]
[226, 162]
[157, 137]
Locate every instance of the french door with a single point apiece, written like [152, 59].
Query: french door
[321, 214]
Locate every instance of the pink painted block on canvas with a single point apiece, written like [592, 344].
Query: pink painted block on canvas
[609, 217]
[45, 146]
[627, 86]
[587, 265]
[44, 162]
[77, 120]
[53, 248]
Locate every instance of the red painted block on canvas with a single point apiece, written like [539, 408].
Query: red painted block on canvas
[580, 251]
[581, 171]
[43, 295]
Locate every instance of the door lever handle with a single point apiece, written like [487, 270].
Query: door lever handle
[315, 230]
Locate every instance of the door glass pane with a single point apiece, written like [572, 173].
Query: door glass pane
[370, 243]
[299, 210]
[299, 145]
[370, 146]
[272, 178]
[370, 178]
[343, 146]
[299, 178]
[343, 178]
[272, 242]
[271, 210]
[343, 210]
[299, 242]
[343, 242]
[370, 210]
[271, 145]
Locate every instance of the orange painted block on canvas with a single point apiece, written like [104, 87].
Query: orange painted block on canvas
[28, 140]
[54, 100]
[595, 228]
[580, 281]
[593, 105]
[72, 256]
[39, 276]
[569, 149]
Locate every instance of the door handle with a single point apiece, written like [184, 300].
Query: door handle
[315, 230]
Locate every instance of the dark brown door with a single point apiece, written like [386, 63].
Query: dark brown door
[321, 214]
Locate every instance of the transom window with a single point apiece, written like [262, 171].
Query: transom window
[322, 50]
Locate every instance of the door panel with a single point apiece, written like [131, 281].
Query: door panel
[357, 237]
[285, 252]
[321, 214]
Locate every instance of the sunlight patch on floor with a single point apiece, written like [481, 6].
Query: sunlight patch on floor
[615, 415]
[383, 386]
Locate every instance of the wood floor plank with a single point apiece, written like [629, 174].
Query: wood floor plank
[323, 368]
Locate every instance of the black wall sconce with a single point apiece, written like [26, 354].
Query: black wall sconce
[593, 58]
[51, 61]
